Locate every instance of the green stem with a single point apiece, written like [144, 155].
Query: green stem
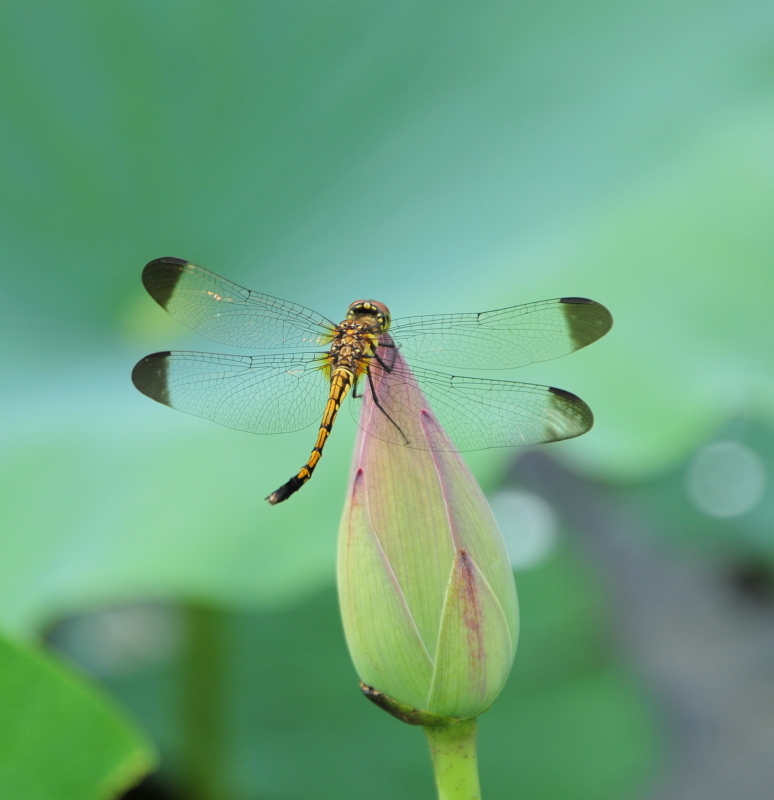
[453, 748]
[203, 682]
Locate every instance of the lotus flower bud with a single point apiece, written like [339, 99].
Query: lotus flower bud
[427, 595]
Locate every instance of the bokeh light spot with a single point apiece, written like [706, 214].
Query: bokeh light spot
[528, 526]
[726, 479]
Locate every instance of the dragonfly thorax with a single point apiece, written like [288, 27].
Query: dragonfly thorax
[354, 342]
[372, 311]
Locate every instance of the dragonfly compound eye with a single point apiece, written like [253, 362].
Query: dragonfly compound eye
[371, 308]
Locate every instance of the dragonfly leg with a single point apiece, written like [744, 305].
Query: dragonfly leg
[382, 363]
[381, 407]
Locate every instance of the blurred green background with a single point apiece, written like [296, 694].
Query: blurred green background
[441, 157]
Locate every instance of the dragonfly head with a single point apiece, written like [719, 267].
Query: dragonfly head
[371, 308]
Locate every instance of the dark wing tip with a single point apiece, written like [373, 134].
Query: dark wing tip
[560, 392]
[150, 376]
[586, 319]
[574, 411]
[160, 277]
[178, 262]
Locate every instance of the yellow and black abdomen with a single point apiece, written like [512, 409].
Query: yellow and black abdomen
[352, 348]
[341, 382]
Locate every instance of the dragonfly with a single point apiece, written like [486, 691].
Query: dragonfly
[363, 356]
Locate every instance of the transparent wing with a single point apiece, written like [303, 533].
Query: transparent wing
[505, 338]
[258, 394]
[477, 413]
[229, 314]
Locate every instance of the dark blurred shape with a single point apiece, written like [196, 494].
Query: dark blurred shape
[152, 789]
[753, 580]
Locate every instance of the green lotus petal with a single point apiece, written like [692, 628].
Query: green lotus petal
[472, 524]
[475, 652]
[386, 647]
[407, 509]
